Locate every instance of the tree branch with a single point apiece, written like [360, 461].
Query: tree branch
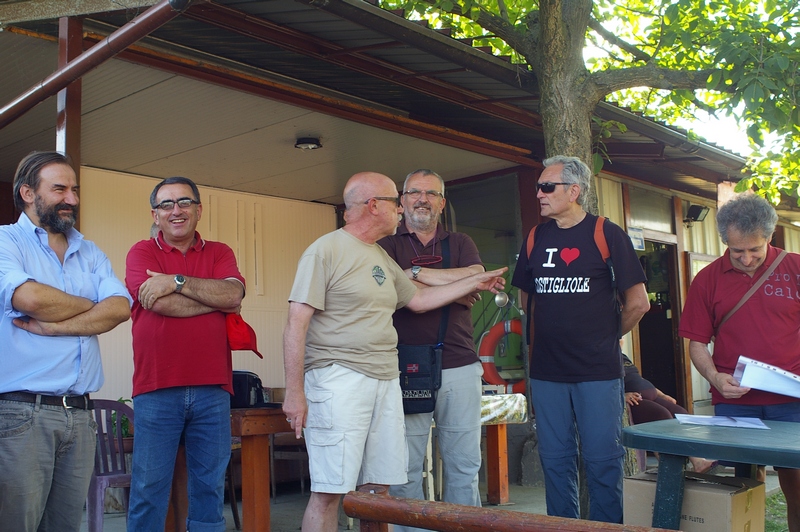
[616, 41]
[610, 81]
[500, 25]
[501, 7]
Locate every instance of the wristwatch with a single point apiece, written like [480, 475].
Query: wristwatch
[180, 280]
[415, 271]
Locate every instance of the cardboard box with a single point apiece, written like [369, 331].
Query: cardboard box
[710, 503]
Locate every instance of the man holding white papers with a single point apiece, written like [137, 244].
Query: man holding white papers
[763, 324]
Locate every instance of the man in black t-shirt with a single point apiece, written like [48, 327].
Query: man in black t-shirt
[576, 368]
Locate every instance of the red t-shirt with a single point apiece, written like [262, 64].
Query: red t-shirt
[766, 328]
[170, 351]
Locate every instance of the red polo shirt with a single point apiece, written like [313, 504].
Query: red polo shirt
[766, 328]
[169, 351]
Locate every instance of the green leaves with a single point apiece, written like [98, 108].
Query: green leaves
[602, 130]
[751, 48]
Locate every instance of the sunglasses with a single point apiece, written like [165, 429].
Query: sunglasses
[394, 199]
[547, 188]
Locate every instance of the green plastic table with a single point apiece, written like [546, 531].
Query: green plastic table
[778, 446]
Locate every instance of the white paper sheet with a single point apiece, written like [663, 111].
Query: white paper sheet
[761, 376]
[722, 421]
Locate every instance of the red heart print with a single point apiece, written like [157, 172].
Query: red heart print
[569, 254]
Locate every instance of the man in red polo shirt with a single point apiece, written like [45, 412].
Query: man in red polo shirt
[765, 328]
[182, 287]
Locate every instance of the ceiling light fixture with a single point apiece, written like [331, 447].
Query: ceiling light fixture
[307, 143]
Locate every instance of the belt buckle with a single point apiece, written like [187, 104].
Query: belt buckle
[64, 402]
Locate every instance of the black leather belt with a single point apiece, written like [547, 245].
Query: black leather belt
[67, 401]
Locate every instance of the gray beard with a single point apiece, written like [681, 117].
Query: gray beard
[421, 225]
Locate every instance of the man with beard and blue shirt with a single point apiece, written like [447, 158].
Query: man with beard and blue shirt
[58, 292]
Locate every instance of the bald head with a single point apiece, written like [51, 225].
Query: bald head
[365, 185]
[373, 211]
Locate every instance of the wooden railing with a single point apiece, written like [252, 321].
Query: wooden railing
[373, 506]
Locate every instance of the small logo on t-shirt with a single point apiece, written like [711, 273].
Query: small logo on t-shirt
[567, 255]
[378, 275]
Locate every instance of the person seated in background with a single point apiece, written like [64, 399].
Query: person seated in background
[648, 403]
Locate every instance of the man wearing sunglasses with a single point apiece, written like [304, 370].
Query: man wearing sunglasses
[183, 287]
[417, 248]
[576, 368]
[340, 349]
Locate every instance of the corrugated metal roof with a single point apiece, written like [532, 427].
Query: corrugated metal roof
[436, 80]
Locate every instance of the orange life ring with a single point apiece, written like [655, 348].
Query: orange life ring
[489, 344]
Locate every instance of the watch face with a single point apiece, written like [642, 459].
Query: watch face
[180, 279]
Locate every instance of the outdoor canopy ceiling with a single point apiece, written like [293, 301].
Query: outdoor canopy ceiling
[221, 93]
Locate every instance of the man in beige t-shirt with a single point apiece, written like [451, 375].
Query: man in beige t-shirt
[340, 349]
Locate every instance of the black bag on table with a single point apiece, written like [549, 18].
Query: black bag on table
[247, 390]
[421, 365]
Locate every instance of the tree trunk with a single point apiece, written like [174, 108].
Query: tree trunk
[567, 122]
[555, 52]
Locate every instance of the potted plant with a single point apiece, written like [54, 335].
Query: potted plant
[126, 429]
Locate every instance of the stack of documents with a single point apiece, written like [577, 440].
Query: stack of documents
[761, 376]
[722, 421]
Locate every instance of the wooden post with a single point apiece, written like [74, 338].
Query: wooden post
[68, 103]
[254, 425]
[497, 464]
[378, 491]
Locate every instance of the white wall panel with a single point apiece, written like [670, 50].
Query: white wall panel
[267, 234]
[609, 197]
[791, 235]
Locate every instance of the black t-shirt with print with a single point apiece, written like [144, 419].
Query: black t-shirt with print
[575, 321]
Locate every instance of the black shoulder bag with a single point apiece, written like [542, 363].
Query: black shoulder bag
[421, 365]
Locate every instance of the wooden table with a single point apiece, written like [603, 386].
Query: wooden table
[778, 446]
[254, 425]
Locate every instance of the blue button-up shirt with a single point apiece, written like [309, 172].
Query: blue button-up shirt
[53, 365]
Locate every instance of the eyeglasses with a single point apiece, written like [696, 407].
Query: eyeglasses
[395, 199]
[547, 188]
[183, 203]
[415, 194]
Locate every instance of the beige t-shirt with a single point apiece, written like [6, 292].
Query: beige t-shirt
[355, 288]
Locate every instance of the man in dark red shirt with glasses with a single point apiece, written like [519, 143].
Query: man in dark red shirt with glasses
[417, 248]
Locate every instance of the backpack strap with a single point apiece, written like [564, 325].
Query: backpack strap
[599, 239]
[752, 290]
[529, 243]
